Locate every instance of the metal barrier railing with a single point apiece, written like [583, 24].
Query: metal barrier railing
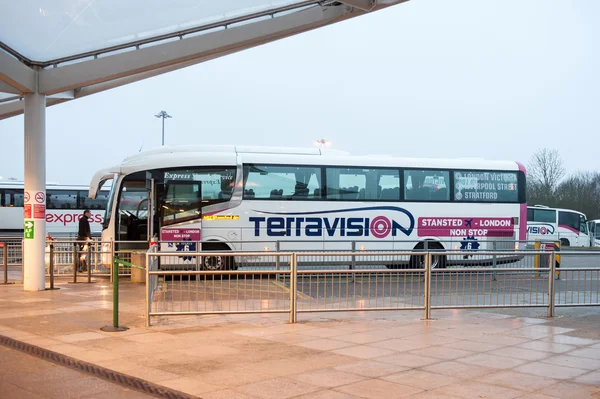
[502, 250]
[578, 279]
[10, 259]
[525, 284]
[369, 281]
[197, 292]
[321, 289]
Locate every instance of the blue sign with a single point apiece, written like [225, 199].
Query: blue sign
[469, 243]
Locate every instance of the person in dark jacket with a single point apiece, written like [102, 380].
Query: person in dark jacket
[84, 234]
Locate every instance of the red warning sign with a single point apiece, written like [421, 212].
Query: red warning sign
[27, 197]
[39, 211]
[27, 213]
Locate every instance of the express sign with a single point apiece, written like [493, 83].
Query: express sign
[65, 219]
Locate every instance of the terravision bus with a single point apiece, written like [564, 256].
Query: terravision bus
[556, 224]
[239, 197]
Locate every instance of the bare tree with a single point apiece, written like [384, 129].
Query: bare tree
[580, 191]
[545, 170]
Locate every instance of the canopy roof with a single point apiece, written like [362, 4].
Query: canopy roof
[67, 49]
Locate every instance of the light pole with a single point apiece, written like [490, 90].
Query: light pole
[163, 115]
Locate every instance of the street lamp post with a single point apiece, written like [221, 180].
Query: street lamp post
[163, 115]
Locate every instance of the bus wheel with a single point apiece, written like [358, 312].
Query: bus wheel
[437, 261]
[216, 263]
[564, 242]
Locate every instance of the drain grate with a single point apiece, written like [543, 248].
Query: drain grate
[96, 371]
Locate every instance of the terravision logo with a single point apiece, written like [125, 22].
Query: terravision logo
[309, 224]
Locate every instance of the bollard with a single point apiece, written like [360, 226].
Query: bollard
[557, 259]
[115, 277]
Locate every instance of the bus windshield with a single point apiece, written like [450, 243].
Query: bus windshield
[180, 195]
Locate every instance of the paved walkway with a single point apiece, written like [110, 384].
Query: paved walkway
[461, 354]
[24, 376]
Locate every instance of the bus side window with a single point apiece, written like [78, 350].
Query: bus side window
[14, 198]
[544, 215]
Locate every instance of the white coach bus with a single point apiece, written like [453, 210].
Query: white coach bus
[246, 198]
[64, 207]
[554, 224]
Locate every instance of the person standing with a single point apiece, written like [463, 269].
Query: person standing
[84, 235]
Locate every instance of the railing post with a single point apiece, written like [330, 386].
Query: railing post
[551, 286]
[494, 248]
[75, 263]
[277, 249]
[112, 258]
[293, 288]
[148, 288]
[88, 262]
[51, 265]
[197, 258]
[353, 264]
[5, 261]
[427, 287]
[537, 245]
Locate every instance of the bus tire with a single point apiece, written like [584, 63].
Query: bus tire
[564, 242]
[437, 261]
[217, 263]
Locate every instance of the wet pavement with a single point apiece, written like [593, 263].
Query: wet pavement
[460, 354]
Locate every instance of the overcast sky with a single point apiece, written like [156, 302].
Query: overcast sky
[493, 79]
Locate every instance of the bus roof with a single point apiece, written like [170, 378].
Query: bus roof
[230, 155]
[165, 157]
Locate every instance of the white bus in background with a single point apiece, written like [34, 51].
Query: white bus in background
[64, 207]
[594, 229]
[246, 198]
[554, 224]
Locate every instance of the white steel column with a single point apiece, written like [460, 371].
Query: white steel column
[34, 271]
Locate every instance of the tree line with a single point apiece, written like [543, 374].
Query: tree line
[549, 184]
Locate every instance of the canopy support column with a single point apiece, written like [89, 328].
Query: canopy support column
[34, 271]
